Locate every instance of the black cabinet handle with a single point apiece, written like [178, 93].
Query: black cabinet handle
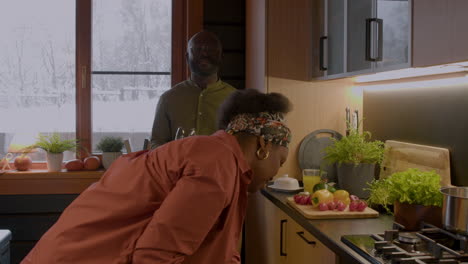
[323, 53]
[380, 49]
[301, 234]
[370, 39]
[281, 237]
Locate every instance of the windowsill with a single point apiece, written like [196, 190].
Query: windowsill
[45, 174]
[39, 181]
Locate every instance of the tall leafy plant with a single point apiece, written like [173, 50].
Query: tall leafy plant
[355, 148]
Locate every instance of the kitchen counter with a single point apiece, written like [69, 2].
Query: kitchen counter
[329, 231]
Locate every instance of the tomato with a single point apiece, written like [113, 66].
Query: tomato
[323, 207]
[331, 206]
[302, 198]
[340, 206]
[353, 206]
[341, 195]
[361, 206]
[321, 196]
[305, 200]
[297, 198]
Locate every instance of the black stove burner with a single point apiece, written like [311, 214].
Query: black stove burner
[409, 238]
[429, 245]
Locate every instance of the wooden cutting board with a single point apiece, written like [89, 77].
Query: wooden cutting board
[314, 213]
[400, 156]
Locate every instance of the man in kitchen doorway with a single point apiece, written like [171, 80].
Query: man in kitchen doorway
[183, 202]
[193, 103]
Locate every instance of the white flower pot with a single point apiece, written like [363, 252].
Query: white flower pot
[109, 157]
[54, 161]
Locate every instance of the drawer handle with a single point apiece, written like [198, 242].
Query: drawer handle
[284, 221]
[301, 234]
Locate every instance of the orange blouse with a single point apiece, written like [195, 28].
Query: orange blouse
[183, 202]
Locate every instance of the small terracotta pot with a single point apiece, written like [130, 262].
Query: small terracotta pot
[411, 215]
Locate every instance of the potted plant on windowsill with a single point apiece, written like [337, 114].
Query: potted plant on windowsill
[415, 195]
[55, 146]
[355, 156]
[111, 148]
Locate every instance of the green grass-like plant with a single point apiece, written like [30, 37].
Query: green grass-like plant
[355, 148]
[54, 144]
[110, 144]
[411, 186]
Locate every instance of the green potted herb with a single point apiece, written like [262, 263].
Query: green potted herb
[415, 195]
[355, 156]
[54, 145]
[111, 148]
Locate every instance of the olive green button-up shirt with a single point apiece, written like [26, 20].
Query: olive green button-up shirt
[188, 106]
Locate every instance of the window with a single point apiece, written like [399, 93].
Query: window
[37, 72]
[131, 65]
[45, 56]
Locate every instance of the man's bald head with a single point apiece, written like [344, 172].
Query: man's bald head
[204, 38]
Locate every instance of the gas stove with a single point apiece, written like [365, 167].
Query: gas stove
[428, 245]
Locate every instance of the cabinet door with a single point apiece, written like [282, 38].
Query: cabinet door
[304, 248]
[294, 29]
[439, 32]
[334, 42]
[358, 14]
[394, 35]
[459, 36]
[266, 227]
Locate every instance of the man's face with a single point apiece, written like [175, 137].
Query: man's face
[204, 56]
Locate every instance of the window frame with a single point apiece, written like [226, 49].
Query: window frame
[187, 19]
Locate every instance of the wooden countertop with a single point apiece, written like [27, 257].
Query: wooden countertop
[45, 182]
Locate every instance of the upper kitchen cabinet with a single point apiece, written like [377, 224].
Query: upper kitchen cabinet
[439, 32]
[332, 43]
[365, 36]
[293, 31]
[381, 35]
[326, 39]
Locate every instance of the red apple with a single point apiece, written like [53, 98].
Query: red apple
[74, 165]
[23, 163]
[92, 163]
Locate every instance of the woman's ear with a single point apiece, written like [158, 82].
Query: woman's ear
[264, 148]
[264, 145]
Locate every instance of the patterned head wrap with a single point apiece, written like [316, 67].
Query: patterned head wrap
[268, 125]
